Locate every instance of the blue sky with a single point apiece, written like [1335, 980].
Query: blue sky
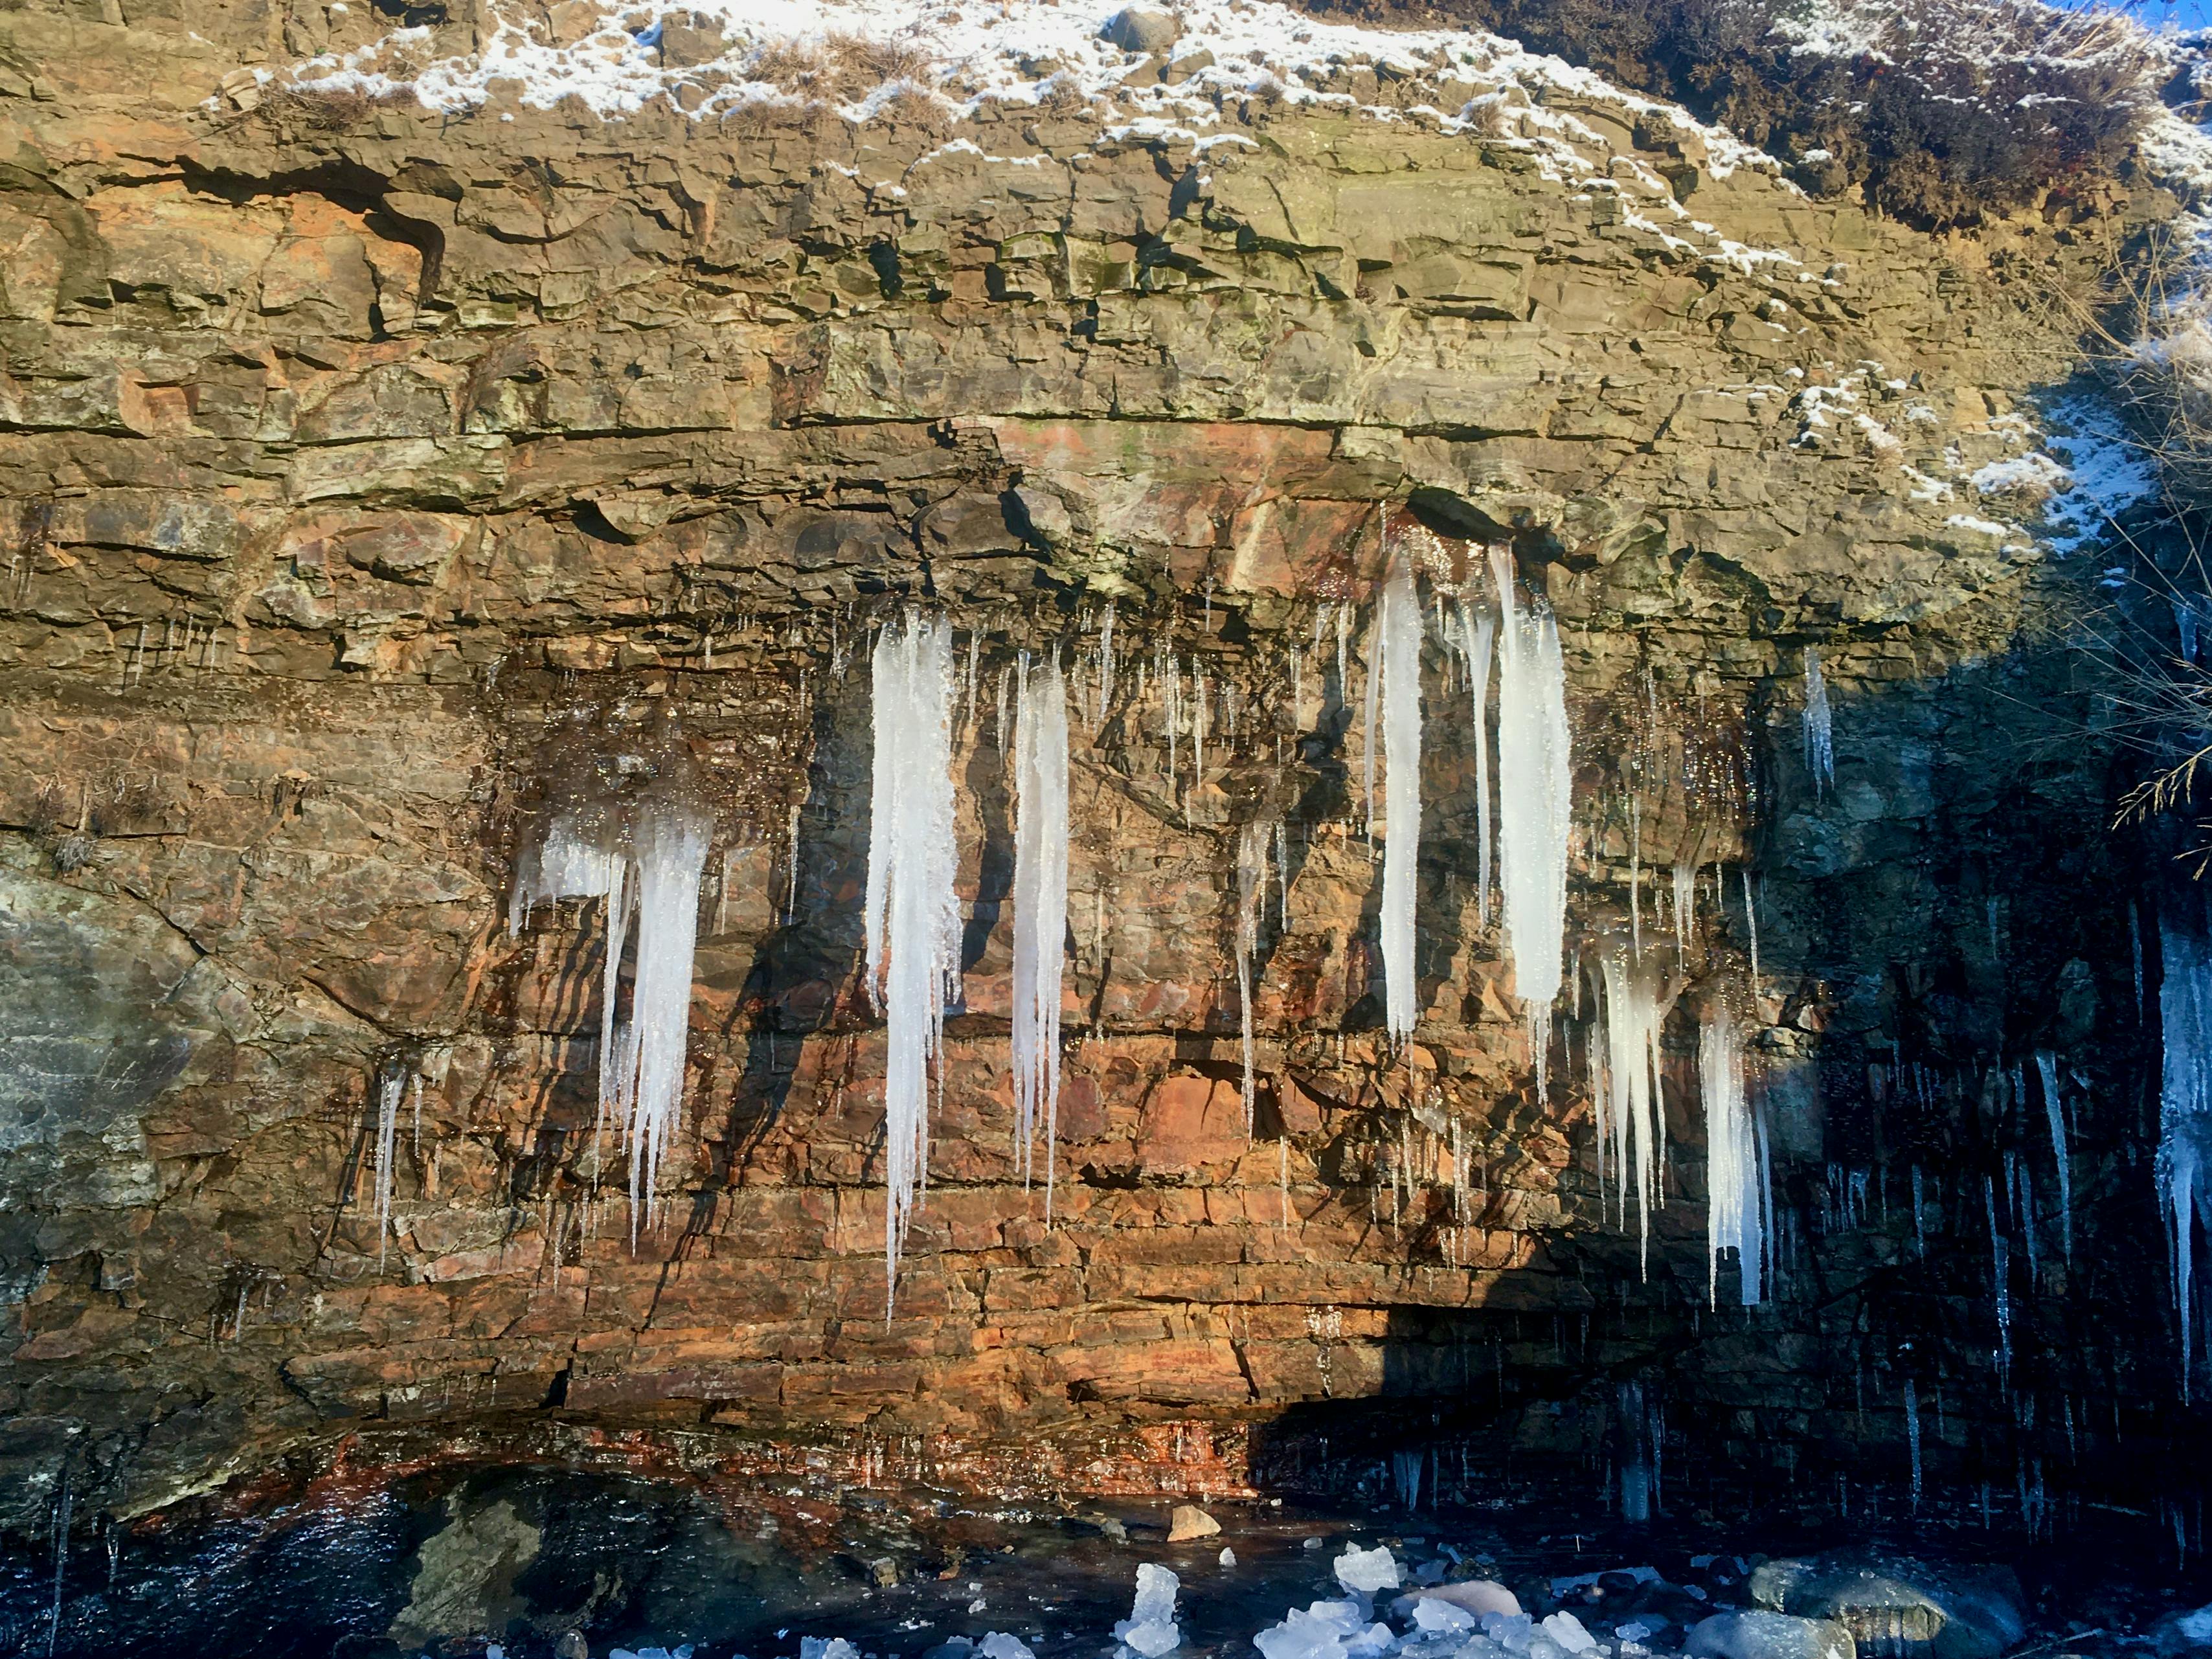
[2190, 13]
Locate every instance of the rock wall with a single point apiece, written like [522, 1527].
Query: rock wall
[366, 473]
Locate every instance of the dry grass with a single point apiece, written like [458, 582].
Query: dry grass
[311, 109]
[1950, 110]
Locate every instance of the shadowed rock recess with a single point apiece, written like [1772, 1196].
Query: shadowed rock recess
[368, 474]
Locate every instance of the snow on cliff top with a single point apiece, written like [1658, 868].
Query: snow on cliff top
[967, 54]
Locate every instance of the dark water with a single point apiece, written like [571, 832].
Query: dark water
[444, 1560]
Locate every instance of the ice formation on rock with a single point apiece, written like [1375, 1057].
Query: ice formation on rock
[1150, 1628]
[1819, 728]
[645, 858]
[912, 912]
[387, 1123]
[1398, 626]
[1912, 1435]
[2184, 1148]
[1737, 1173]
[1040, 904]
[1251, 881]
[1636, 1001]
[672, 852]
[1536, 791]
[1477, 641]
[2046, 1069]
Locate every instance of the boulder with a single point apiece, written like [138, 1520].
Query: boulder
[1897, 1607]
[1187, 1521]
[1758, 1634]
[1142, 28]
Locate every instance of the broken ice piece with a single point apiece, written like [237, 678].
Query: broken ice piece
[1367, 1571]
[1150, 1628]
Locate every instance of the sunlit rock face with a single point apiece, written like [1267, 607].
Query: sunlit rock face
[376, 480]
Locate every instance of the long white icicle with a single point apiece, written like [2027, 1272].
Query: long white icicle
[646, 865]
[1041, 902]
[1251, 881]
[1478, 639]
[1398, 625]
[1635, 1011]
[1736, 1151]
[2184, 1007]
[2046, 1069]
[672, 853]
[1536, 795]
[913, 914]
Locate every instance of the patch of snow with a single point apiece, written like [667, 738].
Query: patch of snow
[962, 55]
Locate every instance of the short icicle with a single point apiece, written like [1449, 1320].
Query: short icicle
[912, 919]
[1398, 624]
[1040, 905]
[1535, 792]
[1820, 725]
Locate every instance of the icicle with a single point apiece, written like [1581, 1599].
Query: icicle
[1283, 876]
[671, 854]
[414, 1136]
[1478, 640]
[1343, 649]
[791, 886]
[2046, 1066]
[1686, 905]
[1635, 876]
[1736, 1172]
[1398, 626]
[1920, 1210]
[912, 912]
[2185, 1002]
[2135, 949]
[1751, 920]
[1636, 1010]
[1251, 877]
[1535, 789]
[1105, 666]
[1912, 1436]
[1040, 907]
[1820, 740]
[1198, 729]
[1370, 704]
[387, 1120]
[2000, 1259]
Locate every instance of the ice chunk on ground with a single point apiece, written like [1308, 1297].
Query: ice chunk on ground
[1567, 1630]
[1476, 1595]
[1510, 1631]
[1367, 1571]
[1432, 1613]
[1755, 1635]
[999, 1645]
[1151, 1627]
[833, 1647]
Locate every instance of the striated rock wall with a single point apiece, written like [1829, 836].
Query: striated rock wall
[366, 473]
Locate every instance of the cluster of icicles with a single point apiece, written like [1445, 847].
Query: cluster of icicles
[647, 863]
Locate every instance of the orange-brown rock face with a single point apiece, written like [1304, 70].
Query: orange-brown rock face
[364, 473]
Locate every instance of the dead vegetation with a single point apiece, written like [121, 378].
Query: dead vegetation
[1939, 112]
